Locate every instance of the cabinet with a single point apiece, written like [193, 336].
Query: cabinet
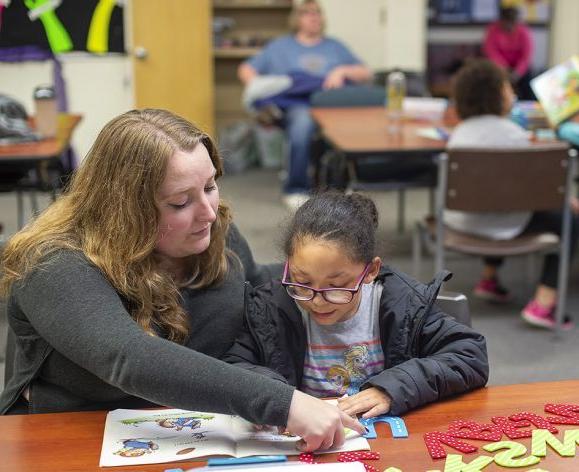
[241, 28]
[394, 31]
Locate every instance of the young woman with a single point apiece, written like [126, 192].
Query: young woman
[339, 323]
[122, 290]
[307, 51]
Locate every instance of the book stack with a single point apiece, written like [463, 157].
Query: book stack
[529, 115]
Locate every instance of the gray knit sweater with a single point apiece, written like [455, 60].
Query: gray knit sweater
[77, 348]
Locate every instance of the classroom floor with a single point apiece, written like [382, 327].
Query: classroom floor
[518, 352]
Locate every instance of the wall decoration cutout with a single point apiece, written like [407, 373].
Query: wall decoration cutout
[63, 25]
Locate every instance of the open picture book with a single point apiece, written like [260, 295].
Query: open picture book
[155, 436]
[557, 89]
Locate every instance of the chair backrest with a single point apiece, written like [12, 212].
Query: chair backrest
[456, 305]
[529, 179]
[349, 96]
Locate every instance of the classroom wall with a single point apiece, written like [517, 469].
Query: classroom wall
[394, 31]
[98, 87]
[564, 31]
[101, 87]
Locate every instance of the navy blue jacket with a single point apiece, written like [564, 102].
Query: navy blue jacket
[428, 355]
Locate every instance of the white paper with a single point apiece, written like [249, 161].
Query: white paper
[430, 133]
[155, 436]
[485, 11]
[295, 467]
[424, 108]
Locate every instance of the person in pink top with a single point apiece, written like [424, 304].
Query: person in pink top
[509, 44]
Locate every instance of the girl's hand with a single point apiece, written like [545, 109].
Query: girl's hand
[373, 401]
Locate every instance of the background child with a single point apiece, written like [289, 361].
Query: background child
[484, 98]
[339, 323]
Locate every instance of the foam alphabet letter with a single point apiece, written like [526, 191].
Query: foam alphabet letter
[570, 413]
[542, 437]
[513, 428]
[538, 421]
[436, 439]
[454, 463]
[508, 458]
[471, 430]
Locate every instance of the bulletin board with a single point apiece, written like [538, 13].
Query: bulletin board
[456, 32]
[63, 25]
[447, 12]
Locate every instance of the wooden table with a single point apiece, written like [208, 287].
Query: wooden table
[72, 441]
[38, 156]
[365, 130]
[361, 133]
[45, 149]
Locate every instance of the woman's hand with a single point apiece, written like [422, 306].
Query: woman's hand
[320, 424]
[335, 79]
[372, 401]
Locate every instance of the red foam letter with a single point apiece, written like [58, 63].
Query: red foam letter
[435, 440]
[570, 413]
[472, 430]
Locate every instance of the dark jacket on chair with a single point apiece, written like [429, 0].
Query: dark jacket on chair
[427, 354]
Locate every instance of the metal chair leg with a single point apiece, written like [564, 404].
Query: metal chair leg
[401, 209]
[565, 249]
[33, 201]
[20, 206]
[531, 270]
[417, 251]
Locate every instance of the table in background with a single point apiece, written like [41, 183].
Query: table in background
[359, 131]
[38, 156]
[72, 441]
[363, 133]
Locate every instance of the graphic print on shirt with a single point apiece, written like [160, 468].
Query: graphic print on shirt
[339, 378]
[314, 64]
[342, 357]
[349, 377]
[356, 360]
[335, 370]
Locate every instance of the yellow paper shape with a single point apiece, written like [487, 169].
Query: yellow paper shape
[454, 463]
[508, 458]
[542, 437]
[98, 33]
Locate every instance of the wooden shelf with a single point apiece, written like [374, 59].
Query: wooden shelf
[234, 53]
[250, 4]
[255, 22]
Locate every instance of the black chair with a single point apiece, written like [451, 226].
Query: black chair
[456, 305]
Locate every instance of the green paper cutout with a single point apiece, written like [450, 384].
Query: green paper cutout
[98, 33]
[56, 33]
[542, 437]
[508, 458]
[454, 463]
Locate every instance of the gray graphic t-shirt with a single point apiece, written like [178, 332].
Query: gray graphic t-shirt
[341, 357]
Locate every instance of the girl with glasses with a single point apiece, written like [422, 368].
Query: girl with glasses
[340, 323]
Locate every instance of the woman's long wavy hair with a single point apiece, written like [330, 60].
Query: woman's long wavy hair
[110, 214]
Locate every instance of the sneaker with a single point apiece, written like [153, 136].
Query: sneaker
[543, 317]
[492, 291]
[293, 201]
